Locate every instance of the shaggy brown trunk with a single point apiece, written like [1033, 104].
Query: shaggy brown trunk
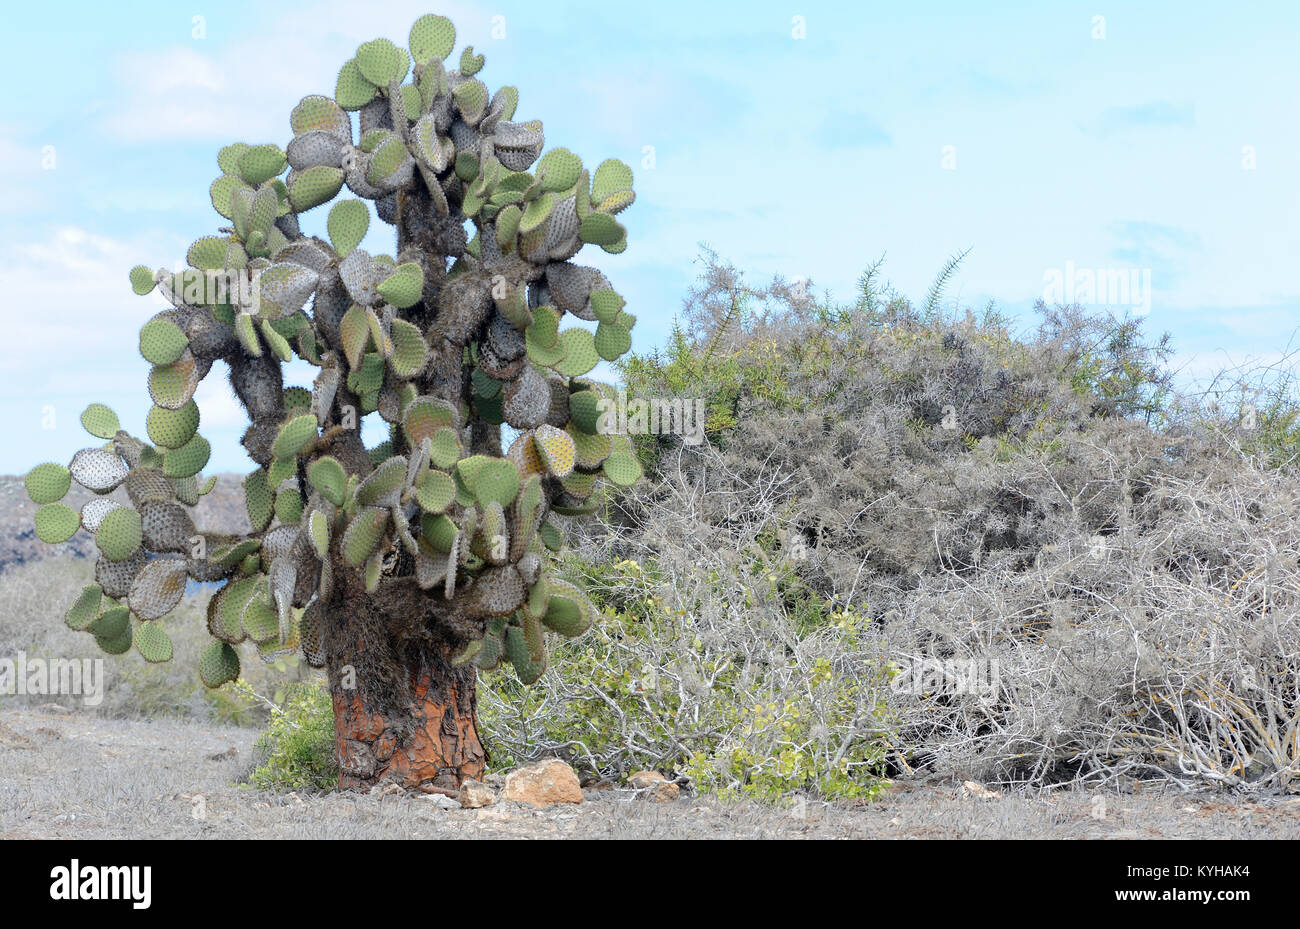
[402, 712]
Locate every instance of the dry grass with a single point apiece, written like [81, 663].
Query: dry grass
[81, 777]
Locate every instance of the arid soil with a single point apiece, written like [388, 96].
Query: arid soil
[67, 775]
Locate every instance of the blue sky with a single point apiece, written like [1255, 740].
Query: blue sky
[915, 130]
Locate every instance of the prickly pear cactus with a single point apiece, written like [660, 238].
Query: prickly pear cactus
[455, 336]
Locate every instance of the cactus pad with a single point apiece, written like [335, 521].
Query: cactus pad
[218, 665]
[158, 588]
[56, 522]
[154, 645]
[100, 421]
[47, 483]
[97, 469]
[328, 477]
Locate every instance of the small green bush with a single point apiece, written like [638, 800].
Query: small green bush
[297, 748]
[760, 710]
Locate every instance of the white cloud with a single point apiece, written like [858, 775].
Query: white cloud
[243, 89]
[20, 165]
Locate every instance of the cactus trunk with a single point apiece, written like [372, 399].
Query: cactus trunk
[403, 713]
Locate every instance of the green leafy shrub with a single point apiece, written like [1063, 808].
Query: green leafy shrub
[297, 748]
[745, 709]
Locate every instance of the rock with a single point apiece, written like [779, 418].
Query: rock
[654, 786]
[494, 780]
[980, 792]
[474, 796]
[441, 801]
[542, 784]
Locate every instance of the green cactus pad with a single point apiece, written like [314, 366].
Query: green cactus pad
[363, 534]
[260, 620]
[354, 332]
[424, 416]
[259, 499]
[612, 341]
[278, 344]
[111, 623]
[318, 529]
[380, 61]
[622, 468]
[297, 398]
[100, 421]
[172, 385]
[382, 483]
[226, 609]
[438, 531]
[508, 227]
[559, 169]
[497, 480]
[119, 534]
[432, 37]
[445, 447]
[209, 253]
[510, 101]
[218, 665]
[412, 105]
[189, 459]
[317, 112]
[56, 522]
[410, 351]
[537, 212]
[246, 330]
[221, 191]
[154, 645]
[288, 507]
[568, 611]
[352, 90]
[142, 280]
[606, 304]
[471, 99]
[314, 186]
[161, 341]
[580, 354]
[281, 469]
[545, 328]
[436, 492]
[260, 163]
[48, 483]
[584, 410]
[295, 436]
[601, 229]
[404, 287]
[471, 64]
[172, 428]
[388, 161]
[228, 157]
[328, 477]
[86, 607]
[611, 175]
[616, 202]
[348, 223]
[517, 653]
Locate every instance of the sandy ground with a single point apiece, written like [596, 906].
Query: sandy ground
[70, 776]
